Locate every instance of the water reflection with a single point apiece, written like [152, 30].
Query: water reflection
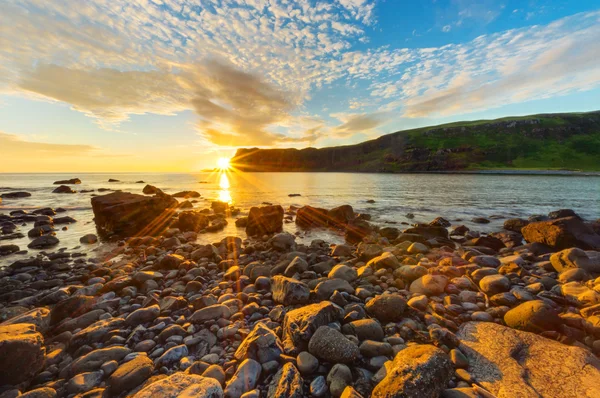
[224, 194]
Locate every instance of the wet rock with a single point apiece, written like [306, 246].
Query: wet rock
[64, 189]
[245, 379]
[211, 312]
[331, 346]
[289, 291]
[186, 194]
[300, 324]
[364, 329]
[511, 363]
[172, 356]
[182, 385]
[308, 217]
[318, 387]
[151, 190]
[88, 239]
[93, 360]
[192, 221]
[264, 220]
[429, 285]
[562, 233]
[338, 378]
[387, 307]
[127, 214]
[43, 242]
[15, 195]
[343, 271]
[262, 345]
[84, 382]
[515, 224]
[283, 242]
[494, 284]
[22, 353]
[287, 383]
[418, 371]
[130, 375]
[574, 258]
[533, 316]
[340, 215]
[142, 315]
[72, 181]
[325, 289]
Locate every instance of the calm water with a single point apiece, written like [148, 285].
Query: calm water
[455, 197]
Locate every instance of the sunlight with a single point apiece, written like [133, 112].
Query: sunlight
[224, 194]
[223, 163]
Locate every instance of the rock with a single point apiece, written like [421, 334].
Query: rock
[417, 248]
[287, 383]
[370, 349]
[192, 221]
[113, 180]
[494, 284]
[533, 316]
[22, 353]
[515, 224]
[127, 214]
[343, 271]
[390, 233]
[15, 195]
[283, 242]
[182, 385]
[331, 346]
[410, 273]
[300, 324]
[216, 372]
[289, 291]
[297, 266]
[350, 392]
[307, 363]
[340, 216]
[43, 392]
[92, 360]
[43, 242]
[143, 315]
[72, 181]
[562, 233]
[262, 345]
[429, 285]
[580, 293]
[186, 194]
[364, 329]
[387, 307]
[88, 239]
[440, 222]
[385, 260]
[325, 289]
[429, 232]
[130, 374]
[562, 213]
[84, 382]
[264, 220]
[172, 356]
[5, 250]
[511, 363]
[211, 312]
[308, 217]
[574, 258]
[64, 189]
[245, 379]
[418, 371]
[338, 378]
[318, 387]
[151, 190]
[219, 207]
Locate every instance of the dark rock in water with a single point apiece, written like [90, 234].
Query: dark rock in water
[562, 233]
[64, 189]
[332, 346]
[8, 249]
[418, 371]
[515, 224]
[562, 213]
[293, 195]
[192, 221]
[22, 353]
[151, 190]
[440, 222]
[15, 195]
[89, 239]
[186, 204]
[264, 220]
[219, 207]
[127, 214]
[113, 180]
[339, 216]
[533, 316]
[428, 231]
[390, 233]
[480, 220]
[72, 181]
[511, 363]
[241, 222]
[308, 216]
[287, 383]
[186, 194]
[43, 242]
[140, 182]
[63, 220]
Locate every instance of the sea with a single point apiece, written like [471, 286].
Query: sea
[390, 199]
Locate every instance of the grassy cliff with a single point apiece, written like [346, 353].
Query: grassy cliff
[568, 141]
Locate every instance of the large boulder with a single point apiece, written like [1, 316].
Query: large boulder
[341, 215]
[127, 214]
[562, 233]
[418, 371]
[22, 353]
[264, 220]
[533, 316]
[511, 363]
[72, 181]
[182, 385]
[575, 258]
[308, 216]
[387, 307]
[192, 221]
[64, 189]
[300, 324]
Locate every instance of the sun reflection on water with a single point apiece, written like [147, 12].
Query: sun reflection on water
[224, 194]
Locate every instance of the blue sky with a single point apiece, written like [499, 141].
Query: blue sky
[174, 84]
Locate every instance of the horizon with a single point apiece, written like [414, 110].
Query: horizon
[173, 86]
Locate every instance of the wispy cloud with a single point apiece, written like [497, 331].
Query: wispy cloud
[15, 146]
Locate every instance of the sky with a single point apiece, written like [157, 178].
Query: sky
[173, 85]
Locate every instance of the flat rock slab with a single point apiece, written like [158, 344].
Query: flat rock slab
[511, 363]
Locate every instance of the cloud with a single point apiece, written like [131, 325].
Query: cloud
[356, 123]
[446, 28]
[13, 146]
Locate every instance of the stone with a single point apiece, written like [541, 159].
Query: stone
[172, 356]
[494, 284]
[283, 241]
[42, 392]
[143, 315]
[342, 251]
[39, 317]
[15, 195]
[579, 293]
[574, 258]
[289, 291]
[287, 383]
[308, 217]
[186, 194]
[300, 324]
[94, 359]
[88, 239]
[64, 189]
[341, 215]
[338, 378]
[261, 344]
[22, 353]
[418, 371]
[244, 379]
[130, 374]
[318, 387]
[84, 382]
[387, 307]
[370, 349]
[417, 247]
[343, 271]
[364, 329]
[192, 221]
[182, 385]
[307, 363]
[562, 233]
[429, 285]
[410, 273]
[533, 316]
[151, 190]
[511, 363]
[515, 224]
[331, 346]
[216, 372]
[43, 242]
[72, 181]
[264, 220]
[297, 266]
[126, 214]
[211, 312]
[325, 289]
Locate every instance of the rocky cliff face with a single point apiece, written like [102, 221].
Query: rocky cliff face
[541, 141]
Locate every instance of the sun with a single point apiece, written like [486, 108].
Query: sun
[223, 164]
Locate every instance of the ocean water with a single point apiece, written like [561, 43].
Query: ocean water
[456, 197]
